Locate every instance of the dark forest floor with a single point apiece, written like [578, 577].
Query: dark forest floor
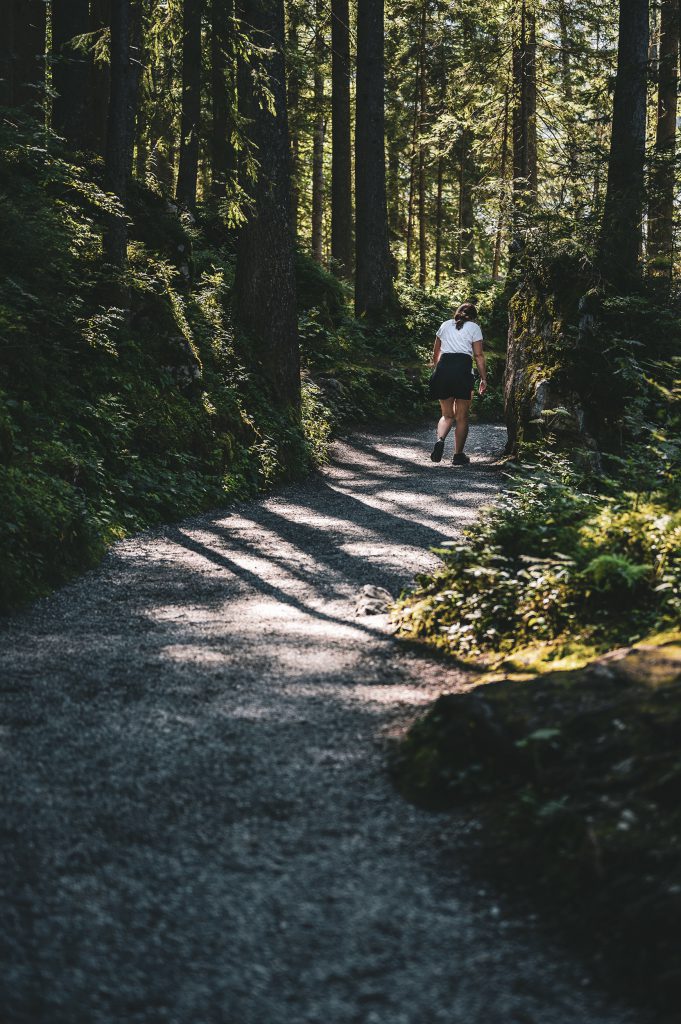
[198, 823]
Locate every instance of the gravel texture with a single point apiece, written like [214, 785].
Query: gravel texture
[198, 827]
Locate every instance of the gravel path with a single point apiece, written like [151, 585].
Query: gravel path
[198, 828]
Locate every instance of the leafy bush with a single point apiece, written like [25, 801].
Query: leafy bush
[114, 419]
[551, 562]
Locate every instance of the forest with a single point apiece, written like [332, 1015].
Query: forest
[229, 230]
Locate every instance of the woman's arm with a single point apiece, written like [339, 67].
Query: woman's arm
[436, 350]
[482, 366]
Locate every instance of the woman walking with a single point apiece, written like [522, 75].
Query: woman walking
[456, 343]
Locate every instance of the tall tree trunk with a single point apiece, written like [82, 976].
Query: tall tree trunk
[341, 151]
[502, 198]
[22, 52]
[318, 139]
[293, 90]
[661, 206]
[119, 130]
[70, 71]
[466, 249]
[190, 117]
[393, 185]
[222, 95]
[135, 71]
[413, 162]
[162, 136]
[265, 286]
[621, 231]
[374, 294]
[566, 76]
[100, 18]
[524, 115]
[438, 220]
[423, 227]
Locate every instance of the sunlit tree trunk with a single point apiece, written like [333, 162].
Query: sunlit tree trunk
[341, 153]
[190, 118]
[374, 294]
[661, 205]
[621, 229]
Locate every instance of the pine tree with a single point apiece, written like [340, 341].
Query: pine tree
[661, 207]
[621, 231]
[190, 118]
[265, 288]
[374, 294]
[341, 153]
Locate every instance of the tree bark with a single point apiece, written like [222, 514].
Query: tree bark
[190, 117]
[294, 108]
[374, 294]
[502, 175]
[222, 95]
[120, 123]
[413, 161]
[438, 220]
[524, 116]
[71, 69]
[566, 76]
[265, 287]
[466, 246]
[100, 18]
[22, 52]
[135, 71]
[318, 139]
[621, 230]
[423, 227]
[661, 205]
[341, 145]
[162, 137]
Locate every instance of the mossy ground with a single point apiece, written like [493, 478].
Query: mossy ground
[577, 777]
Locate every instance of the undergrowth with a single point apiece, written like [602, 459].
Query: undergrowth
[115, 415]
[570, 555]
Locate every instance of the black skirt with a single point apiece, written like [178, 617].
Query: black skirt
[452, 377]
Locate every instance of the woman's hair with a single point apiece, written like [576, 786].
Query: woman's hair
[464, 313]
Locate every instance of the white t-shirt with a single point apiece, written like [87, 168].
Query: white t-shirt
[453, 340]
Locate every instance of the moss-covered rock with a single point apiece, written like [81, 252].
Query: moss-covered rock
[548, 354]
[578, 778]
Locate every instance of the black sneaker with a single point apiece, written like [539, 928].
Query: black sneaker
[460, 459]
[436, 454]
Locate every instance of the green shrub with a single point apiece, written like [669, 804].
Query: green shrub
[551, 562]
[114, 419]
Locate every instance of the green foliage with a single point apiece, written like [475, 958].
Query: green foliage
[551, 561]
[113, 419]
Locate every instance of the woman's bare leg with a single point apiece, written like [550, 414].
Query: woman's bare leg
[446, 421]
[462, 412]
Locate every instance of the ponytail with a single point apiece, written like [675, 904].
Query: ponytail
[464, 314]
